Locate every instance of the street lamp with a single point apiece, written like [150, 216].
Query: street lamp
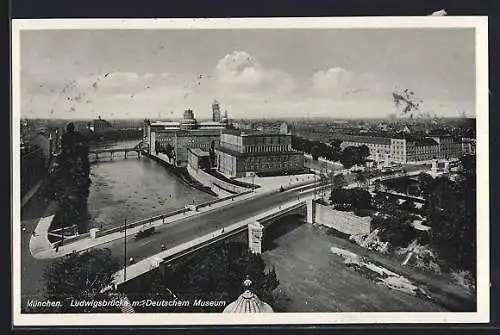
[125, 255]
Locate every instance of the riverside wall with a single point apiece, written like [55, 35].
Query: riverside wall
[344, 222]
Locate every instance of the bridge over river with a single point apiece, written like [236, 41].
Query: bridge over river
[296, 200]
[96, 155]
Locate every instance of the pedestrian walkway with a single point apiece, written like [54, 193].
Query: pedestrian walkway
[274, 183]
[41, 248]
[148, 264]
[39, 240]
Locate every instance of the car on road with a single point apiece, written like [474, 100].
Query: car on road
[145, 232]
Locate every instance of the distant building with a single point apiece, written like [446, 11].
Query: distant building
[199, 138]
[404, 148]
[448, 146]
[468, 146]
[175, 138]
[285, 129]
[216, 114]
[246, 152]
[380, 147]
[199, 159]
[99, 126]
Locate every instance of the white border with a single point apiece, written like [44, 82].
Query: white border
[483, 287]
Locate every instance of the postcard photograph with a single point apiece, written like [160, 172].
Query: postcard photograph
[250, 171]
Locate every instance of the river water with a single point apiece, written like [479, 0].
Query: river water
[135, 189]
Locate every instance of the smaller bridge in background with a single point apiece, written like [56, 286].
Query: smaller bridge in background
[97, 155]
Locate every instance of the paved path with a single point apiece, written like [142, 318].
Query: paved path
[32, 269]
[153, 261]
[41, 248]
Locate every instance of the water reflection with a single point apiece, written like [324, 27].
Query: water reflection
[134, 189]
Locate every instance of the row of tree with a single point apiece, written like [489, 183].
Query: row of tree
[449, 209]
[70, 182]
[210, 274]
[349, 156]
[451, 212]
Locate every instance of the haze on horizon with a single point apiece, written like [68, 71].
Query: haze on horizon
[337, 73]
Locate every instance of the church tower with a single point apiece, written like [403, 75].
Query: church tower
[216, 117]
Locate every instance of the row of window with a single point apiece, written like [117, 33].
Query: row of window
[265, 148]
[268, 165]
[265, 140]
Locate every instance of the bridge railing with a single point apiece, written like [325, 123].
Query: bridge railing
[283, 210]
[203, 244]
[140, 222]
[215, 201]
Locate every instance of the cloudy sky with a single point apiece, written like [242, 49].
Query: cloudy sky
[253, 73]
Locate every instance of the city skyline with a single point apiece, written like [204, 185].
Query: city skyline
[120, 74]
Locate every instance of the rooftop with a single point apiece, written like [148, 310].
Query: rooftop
[425, 142]
[258, 154]
[248, 302]
[363, 139]
[198, 132]
[211, 123]
[251, 132]
[198, 152]
[165, 123]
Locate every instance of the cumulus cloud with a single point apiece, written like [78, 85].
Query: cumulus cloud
[240, 72]
[340, 82]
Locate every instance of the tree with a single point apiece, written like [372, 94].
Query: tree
[360, 178]
[335, 144]
[339, 198]
[338, 180]
[348, 157]
[468, 164]
[157, 147]
[213, 273]
[395, 230]
[425, 181]
[169, 151]
[451, 212]
[315, 152]
[80, 276]
[364, 152]
[73, 172]
[356, 198]
[408, 206]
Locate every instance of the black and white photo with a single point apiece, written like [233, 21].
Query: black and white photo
[250, 171]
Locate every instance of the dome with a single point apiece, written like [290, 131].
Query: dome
[248, 302]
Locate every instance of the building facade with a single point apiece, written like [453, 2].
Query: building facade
[199, 159]
[380, 147]
[100, 126]
[216, 113]
[174, 138]
[242, 153]
[468, 146]
[405, 149]
[448, 147]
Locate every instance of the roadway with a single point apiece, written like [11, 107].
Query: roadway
[185, 230]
